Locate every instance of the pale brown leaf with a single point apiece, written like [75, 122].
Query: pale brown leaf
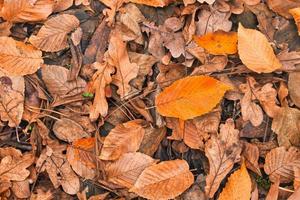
[61, 5]
[53, 35]
[165, 180]
[251, 155]
[293, 85]
[282, 7]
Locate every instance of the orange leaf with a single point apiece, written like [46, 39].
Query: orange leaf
[190, 97]
[296, 14]
[255, 51]
[154, 3]
[218, 43]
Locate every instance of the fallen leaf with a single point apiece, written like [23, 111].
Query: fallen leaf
[12, 90]
[279, 164]
[251, 154]
[126, 71]
[21, 189]
[295, 195]
[217, 63]
[154, 3]
[273, 191]
[17, 58]
[26, 11]
[52, 37]
[258, 56]
[295, 12]
[40, 194]
[282, 7]
[289, 60]
[124, 138]
[165, 180]
[285, 125]
[218, 43]
[114, 6]
[5, 29]
[169, 73]
[126, 170]
[68, 130]
[220, 159]
[207, 1]
[238, 186]
[82, 157]
[190, 97]
[293, 86]
[100, 80]
[61, 5]
[152, 140]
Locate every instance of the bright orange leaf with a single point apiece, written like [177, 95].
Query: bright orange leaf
[218, 43]
[154, 3]
[190, 97]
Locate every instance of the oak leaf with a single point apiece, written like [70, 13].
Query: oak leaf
[100, 80]
[238, 186]
[222, 152]
[165, 180]
[53, 35]
[26, 11]
[124, 138]
[218, 43]
[296, 14]
[154, 3]
[126, 170]
[17, 58]
[257, 56]
[280, 163]
[190, 97]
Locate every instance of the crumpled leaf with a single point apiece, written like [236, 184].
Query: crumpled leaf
[53, 35]
[286, 125]
[190, 97]
[114, 6]
[238, 186]
[126, 71]
[100, 80]
[17, 58]
[220, 159]
[154, 3]
[296, 14]
[12, 90]
[279, 164]
[165, 180]
[126, 170]
[124, 138]
[25, 10]
[218, 43]
[257, 56]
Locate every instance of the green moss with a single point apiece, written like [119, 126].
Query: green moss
[263, 182]
[88, 95]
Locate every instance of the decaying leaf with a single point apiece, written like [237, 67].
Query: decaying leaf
[165, 180]
[124, 138]
[257, 56]
[218, 43]
[154, 3]
[190, 97]
[17, 58]
[238, 186]
[126, 170]
[280, 163]
[222, 152]
[53, 35]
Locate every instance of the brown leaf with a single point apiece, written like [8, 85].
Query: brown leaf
[286, 125]
[21, 189]
[155, 181]
[154, 3]
[222, 152]
[5, 28]
[251, 155]
[26, 11]
[61, 5]
[114, 7]
[126, 170]
[273, 191]
[295, 12]
[17, 58]
[282, 7]
[53, 35]
[126, 71]
[295, 195]
[100, 80]
[279, 164]
[293, 85]
[124, 138]
[68, 130]
[169, 73]
[47, 195]
[152, 140]
[288, 59]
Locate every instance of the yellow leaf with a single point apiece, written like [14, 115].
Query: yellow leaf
[154, 3]
[218, 43]
[238, 186]
[190, 97]
[296, 14]
[255, 51]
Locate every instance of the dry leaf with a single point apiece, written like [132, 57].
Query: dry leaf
[222, 152]
[17, 58]
[154, 3]
[165, 180]
[68, 130]
[207, 1]
[190, 97]
[293, 85]
[61, 5]
[295, 195]
[257, 56]
[114, 6]
[53, 35]
[282, 7]
[21, 189]
[296, 14]
[126, 170]
[238, 186]
[286, 125]
[5, 29]
[218, 43]
[26, 11]
[11, 99]
[82, 157]
[251, 155]
[273, 191]
[124, 138]
[279, 164]
[152, 140]
[100, 80]
[48, 195]
[126, 70]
